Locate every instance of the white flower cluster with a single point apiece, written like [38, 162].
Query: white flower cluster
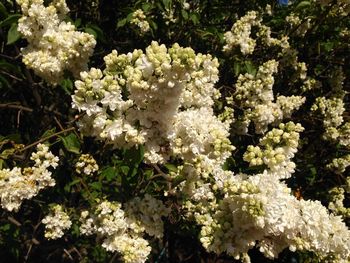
[260, 211]
[239, 212]
[56, 223]
[339, 165]
[255, 95]
[276, 149]
[144, 98]
[336, 81]
[240, 35]
[300, 26]
[123, 232]
[200, 138]
[336, 204]
[293, 19]
[139, 19]
[332, 111]
[310, 84]
[147, 213]
[54, 45]
[86, 165]
[339, 8]
[19, 184]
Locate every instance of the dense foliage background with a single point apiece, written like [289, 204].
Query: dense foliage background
[32, 111]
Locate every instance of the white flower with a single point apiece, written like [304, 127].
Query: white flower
[86, 165]
[140, 96]
[19, 184]
[56, 223]
[54, 45]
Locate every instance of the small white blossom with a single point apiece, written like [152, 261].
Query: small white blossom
[56, 223]
[54, 45]
[19, 184]
[139, 19]
[86, 165]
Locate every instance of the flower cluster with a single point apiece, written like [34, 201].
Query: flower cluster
[122, 232]
[300, 26]
[332, 111]
[339, 165]
[336, 204]
[142, 98]
[276, 149]
[56, 223]
[147, 213]
[86, 165]
[19, 184]
[240, 35]
[339, 7]
[270, 218]
[54, 45]
[255, 95]
[139, 19]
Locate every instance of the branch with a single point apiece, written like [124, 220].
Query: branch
[46, 138]
[15, 106]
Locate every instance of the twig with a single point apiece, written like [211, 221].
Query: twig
[46, 138]
[28, 252]
[15, 106]
[9, 57]
[18, 117]
[161, 173]
[14, 221]
[68, 254]
[10, 75]
[77, 251]
[58, 123]
[113, 258]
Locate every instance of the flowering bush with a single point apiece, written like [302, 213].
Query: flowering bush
[174, 131]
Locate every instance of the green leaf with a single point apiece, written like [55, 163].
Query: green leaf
[167, 4]
[110, 173]
[4, 83]
[250, 67]
[121, 23]
[129, 17]
[237, 68]
[90, 31]
[10, 68]
[171, 167]
[146, 7]
[99, 32]
[148, 173]
[48, 133]
[195, 18]
[67, 86]
[6, 153]
[68, 186]
[10, 20]
[302, 5]
[3, 10]
[153, 25]
[184, 14]
[77, 22]
[14, 137]
[134, 156]
[13, 35]
[124, 169]
[71, 143]
[96, 186]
